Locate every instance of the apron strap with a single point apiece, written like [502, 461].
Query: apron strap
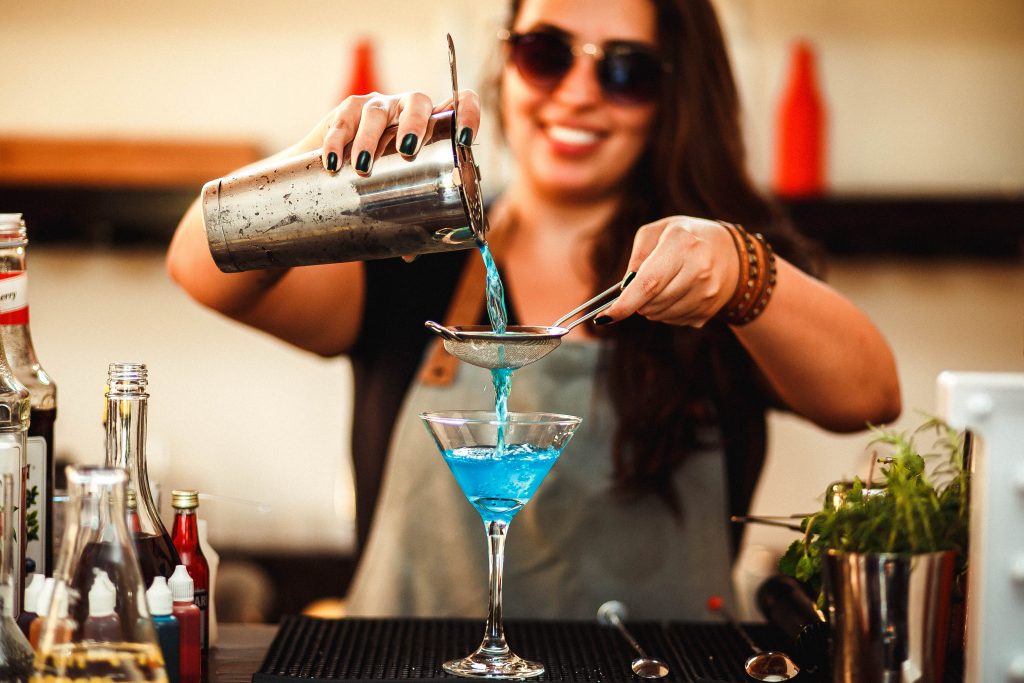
[440, 367]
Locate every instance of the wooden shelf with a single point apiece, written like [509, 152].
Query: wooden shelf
[118, 163]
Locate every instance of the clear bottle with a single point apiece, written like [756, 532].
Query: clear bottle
[15, 652]
[96, 544]
[185, 537]
[126, 409]
[14, 414]
[22, 359]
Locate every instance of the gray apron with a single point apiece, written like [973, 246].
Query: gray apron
[573, 547]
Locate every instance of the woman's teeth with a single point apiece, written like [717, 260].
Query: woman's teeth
[572, 136]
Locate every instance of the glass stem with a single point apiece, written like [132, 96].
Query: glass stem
[494, 632]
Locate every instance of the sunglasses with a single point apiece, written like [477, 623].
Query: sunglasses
[629, 72]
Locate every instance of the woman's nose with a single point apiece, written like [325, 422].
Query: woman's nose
[580, 84]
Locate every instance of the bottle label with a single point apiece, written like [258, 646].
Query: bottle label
[202, 601]
[14, 298]
[35, 490]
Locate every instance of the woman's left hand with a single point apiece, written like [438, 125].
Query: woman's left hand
[686, 271]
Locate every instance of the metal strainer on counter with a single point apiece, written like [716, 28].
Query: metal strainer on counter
[519, 345]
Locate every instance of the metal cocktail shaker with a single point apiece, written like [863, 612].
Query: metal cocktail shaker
[296, 213]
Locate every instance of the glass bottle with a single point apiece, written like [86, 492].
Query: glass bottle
[126, 448]
[15, 652]
[14, 416]
[97, 546]
[21, 356]
[185, 537]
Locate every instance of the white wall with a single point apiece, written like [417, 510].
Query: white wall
[922, 94]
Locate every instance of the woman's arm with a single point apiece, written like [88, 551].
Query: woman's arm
[822, 355]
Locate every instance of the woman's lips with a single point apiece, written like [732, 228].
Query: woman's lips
[569, 140]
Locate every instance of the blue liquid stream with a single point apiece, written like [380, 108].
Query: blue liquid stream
[499, 484]
[497, 314]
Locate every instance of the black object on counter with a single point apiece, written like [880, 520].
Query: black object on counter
[785, 605]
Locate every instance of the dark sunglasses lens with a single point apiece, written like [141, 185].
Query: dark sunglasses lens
[630, 75]
[542, 59]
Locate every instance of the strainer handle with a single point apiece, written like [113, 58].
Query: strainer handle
[586, 304]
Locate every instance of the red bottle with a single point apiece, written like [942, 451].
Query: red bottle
[185, 536]
[800, 153]
[189, 620]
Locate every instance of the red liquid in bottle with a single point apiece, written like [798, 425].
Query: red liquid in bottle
[185, 536]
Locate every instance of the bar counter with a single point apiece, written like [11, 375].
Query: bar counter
[309, 650]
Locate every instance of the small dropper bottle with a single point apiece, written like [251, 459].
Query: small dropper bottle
[161, 604]
[102, 624]
[188, 616]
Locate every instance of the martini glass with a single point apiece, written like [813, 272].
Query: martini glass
[499, 464]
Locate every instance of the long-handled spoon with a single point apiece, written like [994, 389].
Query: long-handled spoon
[761, 666]
[612, 613]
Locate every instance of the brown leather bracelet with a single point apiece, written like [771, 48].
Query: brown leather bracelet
[757, 276]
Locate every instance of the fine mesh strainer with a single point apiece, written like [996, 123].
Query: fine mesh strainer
[518, 345]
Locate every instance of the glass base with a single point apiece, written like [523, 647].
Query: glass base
[482, 664]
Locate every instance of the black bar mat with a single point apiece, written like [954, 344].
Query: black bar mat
[373, 650]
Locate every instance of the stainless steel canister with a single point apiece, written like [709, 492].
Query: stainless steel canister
[890, 615]
[293, 212]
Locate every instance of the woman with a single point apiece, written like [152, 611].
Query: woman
[623, 119]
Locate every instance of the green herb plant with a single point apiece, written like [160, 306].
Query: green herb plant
[918, 512]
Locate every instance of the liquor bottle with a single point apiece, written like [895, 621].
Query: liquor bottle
[21, 356]
[800, 153]
[14, 416]
[97, 627]
[126, 408]
[15, 652]
[185, 536]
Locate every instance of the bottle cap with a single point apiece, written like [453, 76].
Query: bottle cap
[184, 499]
[46, 597]
[161, 602]
[102, 595]
[12, 226]
[131, 500]
[182, 587]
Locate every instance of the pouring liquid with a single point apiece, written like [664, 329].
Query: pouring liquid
[498, 315]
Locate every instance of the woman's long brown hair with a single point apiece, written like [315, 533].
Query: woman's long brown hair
[668, 383]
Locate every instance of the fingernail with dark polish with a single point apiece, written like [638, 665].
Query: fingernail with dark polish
[466, 137]
[603, 320]
[332, 162]
[363, 162]
[408, 146]
[629, 278]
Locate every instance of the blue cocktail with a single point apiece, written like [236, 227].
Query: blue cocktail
[499, 464]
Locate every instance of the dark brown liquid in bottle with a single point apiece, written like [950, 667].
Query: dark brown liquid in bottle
[157, 556]
[41, 424]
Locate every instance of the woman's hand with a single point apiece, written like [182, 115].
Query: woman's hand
[686, 271]
[361, 120]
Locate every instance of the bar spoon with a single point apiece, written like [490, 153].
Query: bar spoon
[762, 666]
[612, 613]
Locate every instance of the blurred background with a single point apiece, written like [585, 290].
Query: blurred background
[113, 114]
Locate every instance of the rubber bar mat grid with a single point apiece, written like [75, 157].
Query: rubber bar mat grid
[372, 650]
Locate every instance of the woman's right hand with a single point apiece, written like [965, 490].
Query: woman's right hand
[361, 120]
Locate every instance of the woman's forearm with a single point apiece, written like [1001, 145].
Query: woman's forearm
[822, 355]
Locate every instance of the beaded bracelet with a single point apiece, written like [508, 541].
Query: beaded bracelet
[756, 280]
